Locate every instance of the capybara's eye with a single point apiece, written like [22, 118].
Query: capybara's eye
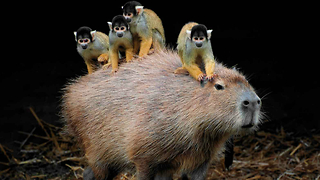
[219, 87]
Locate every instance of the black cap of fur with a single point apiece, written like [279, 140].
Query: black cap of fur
[199, 30]
[84, 32]
[119, 21]
[130, 7]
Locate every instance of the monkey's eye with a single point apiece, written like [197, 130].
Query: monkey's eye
[130, 14]
[195, 38]
[86, 40]
[201, 38]
[123, 28]
[219, 87]
[116, 28]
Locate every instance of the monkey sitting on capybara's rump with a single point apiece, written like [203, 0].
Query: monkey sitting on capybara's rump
[149, 119]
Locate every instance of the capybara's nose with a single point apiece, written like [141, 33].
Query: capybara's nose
[250, 101]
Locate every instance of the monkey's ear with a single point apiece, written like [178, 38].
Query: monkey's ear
[139, 10]
[110, 25]
[188, 34]
[93, 35]
[75, 35]
[209, 33]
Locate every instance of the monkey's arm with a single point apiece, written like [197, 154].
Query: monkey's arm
[114, 57]
[209, 67]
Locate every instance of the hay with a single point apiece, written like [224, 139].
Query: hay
[262, 155]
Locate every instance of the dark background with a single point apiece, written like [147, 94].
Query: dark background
[267, 41]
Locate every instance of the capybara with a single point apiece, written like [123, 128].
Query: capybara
[153, 121]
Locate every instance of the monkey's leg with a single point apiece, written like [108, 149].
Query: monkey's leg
[114, 60]
[103, 58]
[181, 70]
[145, 45]
[195, 71]
[129, 54]
[210, 64]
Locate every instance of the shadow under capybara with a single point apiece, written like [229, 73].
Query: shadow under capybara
[156, 122]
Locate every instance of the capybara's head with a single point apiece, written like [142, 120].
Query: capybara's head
[235, 100]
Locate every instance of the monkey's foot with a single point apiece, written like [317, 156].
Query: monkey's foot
[151, 51]
[201, 77]
[181, 70]
[103, 58]
[106, 66]
[211, 77]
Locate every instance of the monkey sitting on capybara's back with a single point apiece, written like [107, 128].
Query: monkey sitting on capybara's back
[154, 121]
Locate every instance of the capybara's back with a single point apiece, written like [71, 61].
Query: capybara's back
[149, 119]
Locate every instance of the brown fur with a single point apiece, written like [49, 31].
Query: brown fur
[146, 116]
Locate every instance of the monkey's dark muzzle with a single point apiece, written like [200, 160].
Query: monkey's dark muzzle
[199, 44]
[84, 46]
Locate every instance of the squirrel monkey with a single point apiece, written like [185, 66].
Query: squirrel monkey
[120, 41]
[194, 49]
[92, 45]
[145, 26]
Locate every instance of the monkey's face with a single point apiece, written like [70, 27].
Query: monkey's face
[84, 42]
[131, 10]
[199, 35]
[128, 16]
[120, 30]
[84, 36]
[119, 26]
[198, 40]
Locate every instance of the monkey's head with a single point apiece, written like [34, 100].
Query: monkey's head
[131, 10]
[84, 35]
[199, 35]
[119, 25]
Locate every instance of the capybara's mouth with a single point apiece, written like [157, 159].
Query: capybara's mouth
[247, 126]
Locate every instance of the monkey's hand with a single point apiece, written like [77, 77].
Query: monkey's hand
[201, 77]
[211, 77]
[113, 72]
